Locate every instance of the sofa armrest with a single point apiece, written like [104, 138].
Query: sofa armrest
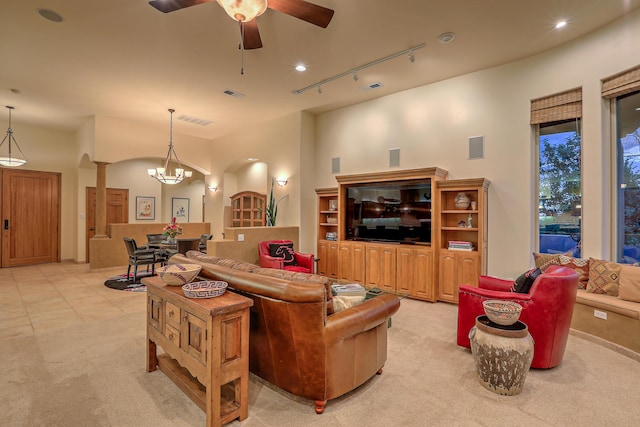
[494, 283]
[271, 262]
[304, 260]
[360, 318]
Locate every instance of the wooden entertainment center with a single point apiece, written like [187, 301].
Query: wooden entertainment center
[429, 271]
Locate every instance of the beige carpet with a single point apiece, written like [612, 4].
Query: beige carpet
[93, 375]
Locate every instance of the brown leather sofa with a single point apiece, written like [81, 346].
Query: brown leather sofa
[294, 343]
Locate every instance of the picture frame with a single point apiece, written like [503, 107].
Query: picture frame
[145, 208]
[180, 209]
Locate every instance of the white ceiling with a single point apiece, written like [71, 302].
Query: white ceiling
[124, 59]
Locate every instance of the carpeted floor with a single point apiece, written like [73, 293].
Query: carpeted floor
[93, 374]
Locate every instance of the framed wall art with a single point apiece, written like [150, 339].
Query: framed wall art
[180, 209]
[145, 207]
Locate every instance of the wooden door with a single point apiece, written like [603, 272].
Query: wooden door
[30, 217]
[117, 210]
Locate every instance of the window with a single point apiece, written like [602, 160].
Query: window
[559, 171]
[560, 190]
[627, 116]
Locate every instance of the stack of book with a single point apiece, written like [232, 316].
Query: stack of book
[351, 289]
[460, 245]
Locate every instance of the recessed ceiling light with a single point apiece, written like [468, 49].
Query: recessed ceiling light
[301, 68]
[50, 15]
[251, 159]
[561, 24]
[445, 38]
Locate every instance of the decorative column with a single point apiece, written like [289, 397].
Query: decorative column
[101, 200]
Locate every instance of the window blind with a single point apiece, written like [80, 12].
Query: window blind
[622, 83]
[553, 108]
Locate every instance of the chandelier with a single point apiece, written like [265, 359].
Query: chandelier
[164, 175]
[11, 160]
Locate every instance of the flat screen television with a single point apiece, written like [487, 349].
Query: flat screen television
[389, 212]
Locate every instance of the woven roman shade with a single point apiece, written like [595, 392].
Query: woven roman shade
[622, 83]
[553, 108]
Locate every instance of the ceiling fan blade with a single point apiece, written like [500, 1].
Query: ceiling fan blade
[251, 35]
[173, 5]
[312, 13]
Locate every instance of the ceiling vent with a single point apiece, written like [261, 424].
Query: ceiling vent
[194, 120]
[233, 93]
[374, 85]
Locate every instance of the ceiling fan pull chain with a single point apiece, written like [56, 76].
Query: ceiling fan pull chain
[242, 48]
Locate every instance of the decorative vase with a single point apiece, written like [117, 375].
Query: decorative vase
[462, 201]
[502, 355]
[171, 240]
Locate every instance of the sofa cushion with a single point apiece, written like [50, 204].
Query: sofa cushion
[629, 289]
[525, 280]
[283, 250]
[608, 303]
[604, 277]
[580, 265]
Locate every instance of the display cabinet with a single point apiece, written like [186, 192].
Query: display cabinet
[327, 232]
[248, 209]
[462, 236]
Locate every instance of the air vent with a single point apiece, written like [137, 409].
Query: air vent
[233, 93]
[374, 85]
[194, 120]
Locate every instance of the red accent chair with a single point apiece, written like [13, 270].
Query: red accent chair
[304, 261]
[546, 310]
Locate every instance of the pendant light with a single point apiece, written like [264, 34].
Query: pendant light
[164, 175]
[11, 160]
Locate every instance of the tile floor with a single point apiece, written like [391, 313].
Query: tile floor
[38, 298]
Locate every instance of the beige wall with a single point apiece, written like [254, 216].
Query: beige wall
[431, 125]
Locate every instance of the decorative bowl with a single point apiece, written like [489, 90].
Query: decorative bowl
[179, 274]
[503, 313]
[207, 289]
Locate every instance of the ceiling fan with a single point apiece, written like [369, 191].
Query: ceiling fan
[246, 12]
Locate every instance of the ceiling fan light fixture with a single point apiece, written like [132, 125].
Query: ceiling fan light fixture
[243, 10]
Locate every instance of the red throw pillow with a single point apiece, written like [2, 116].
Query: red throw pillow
[283, 250]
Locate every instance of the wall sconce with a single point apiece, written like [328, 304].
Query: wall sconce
[213, 188]
[281, 181]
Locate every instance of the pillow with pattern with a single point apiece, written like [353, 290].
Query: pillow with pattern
[604, 277]
[579, 265]
[523, 283]
[283, 250]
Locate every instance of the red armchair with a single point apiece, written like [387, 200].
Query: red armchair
[546, 310]
[304, 262]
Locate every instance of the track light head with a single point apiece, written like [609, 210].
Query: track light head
[412, 58]
[319, 89]
[355, 76]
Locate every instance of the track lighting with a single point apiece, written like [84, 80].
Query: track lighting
[354, 72]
